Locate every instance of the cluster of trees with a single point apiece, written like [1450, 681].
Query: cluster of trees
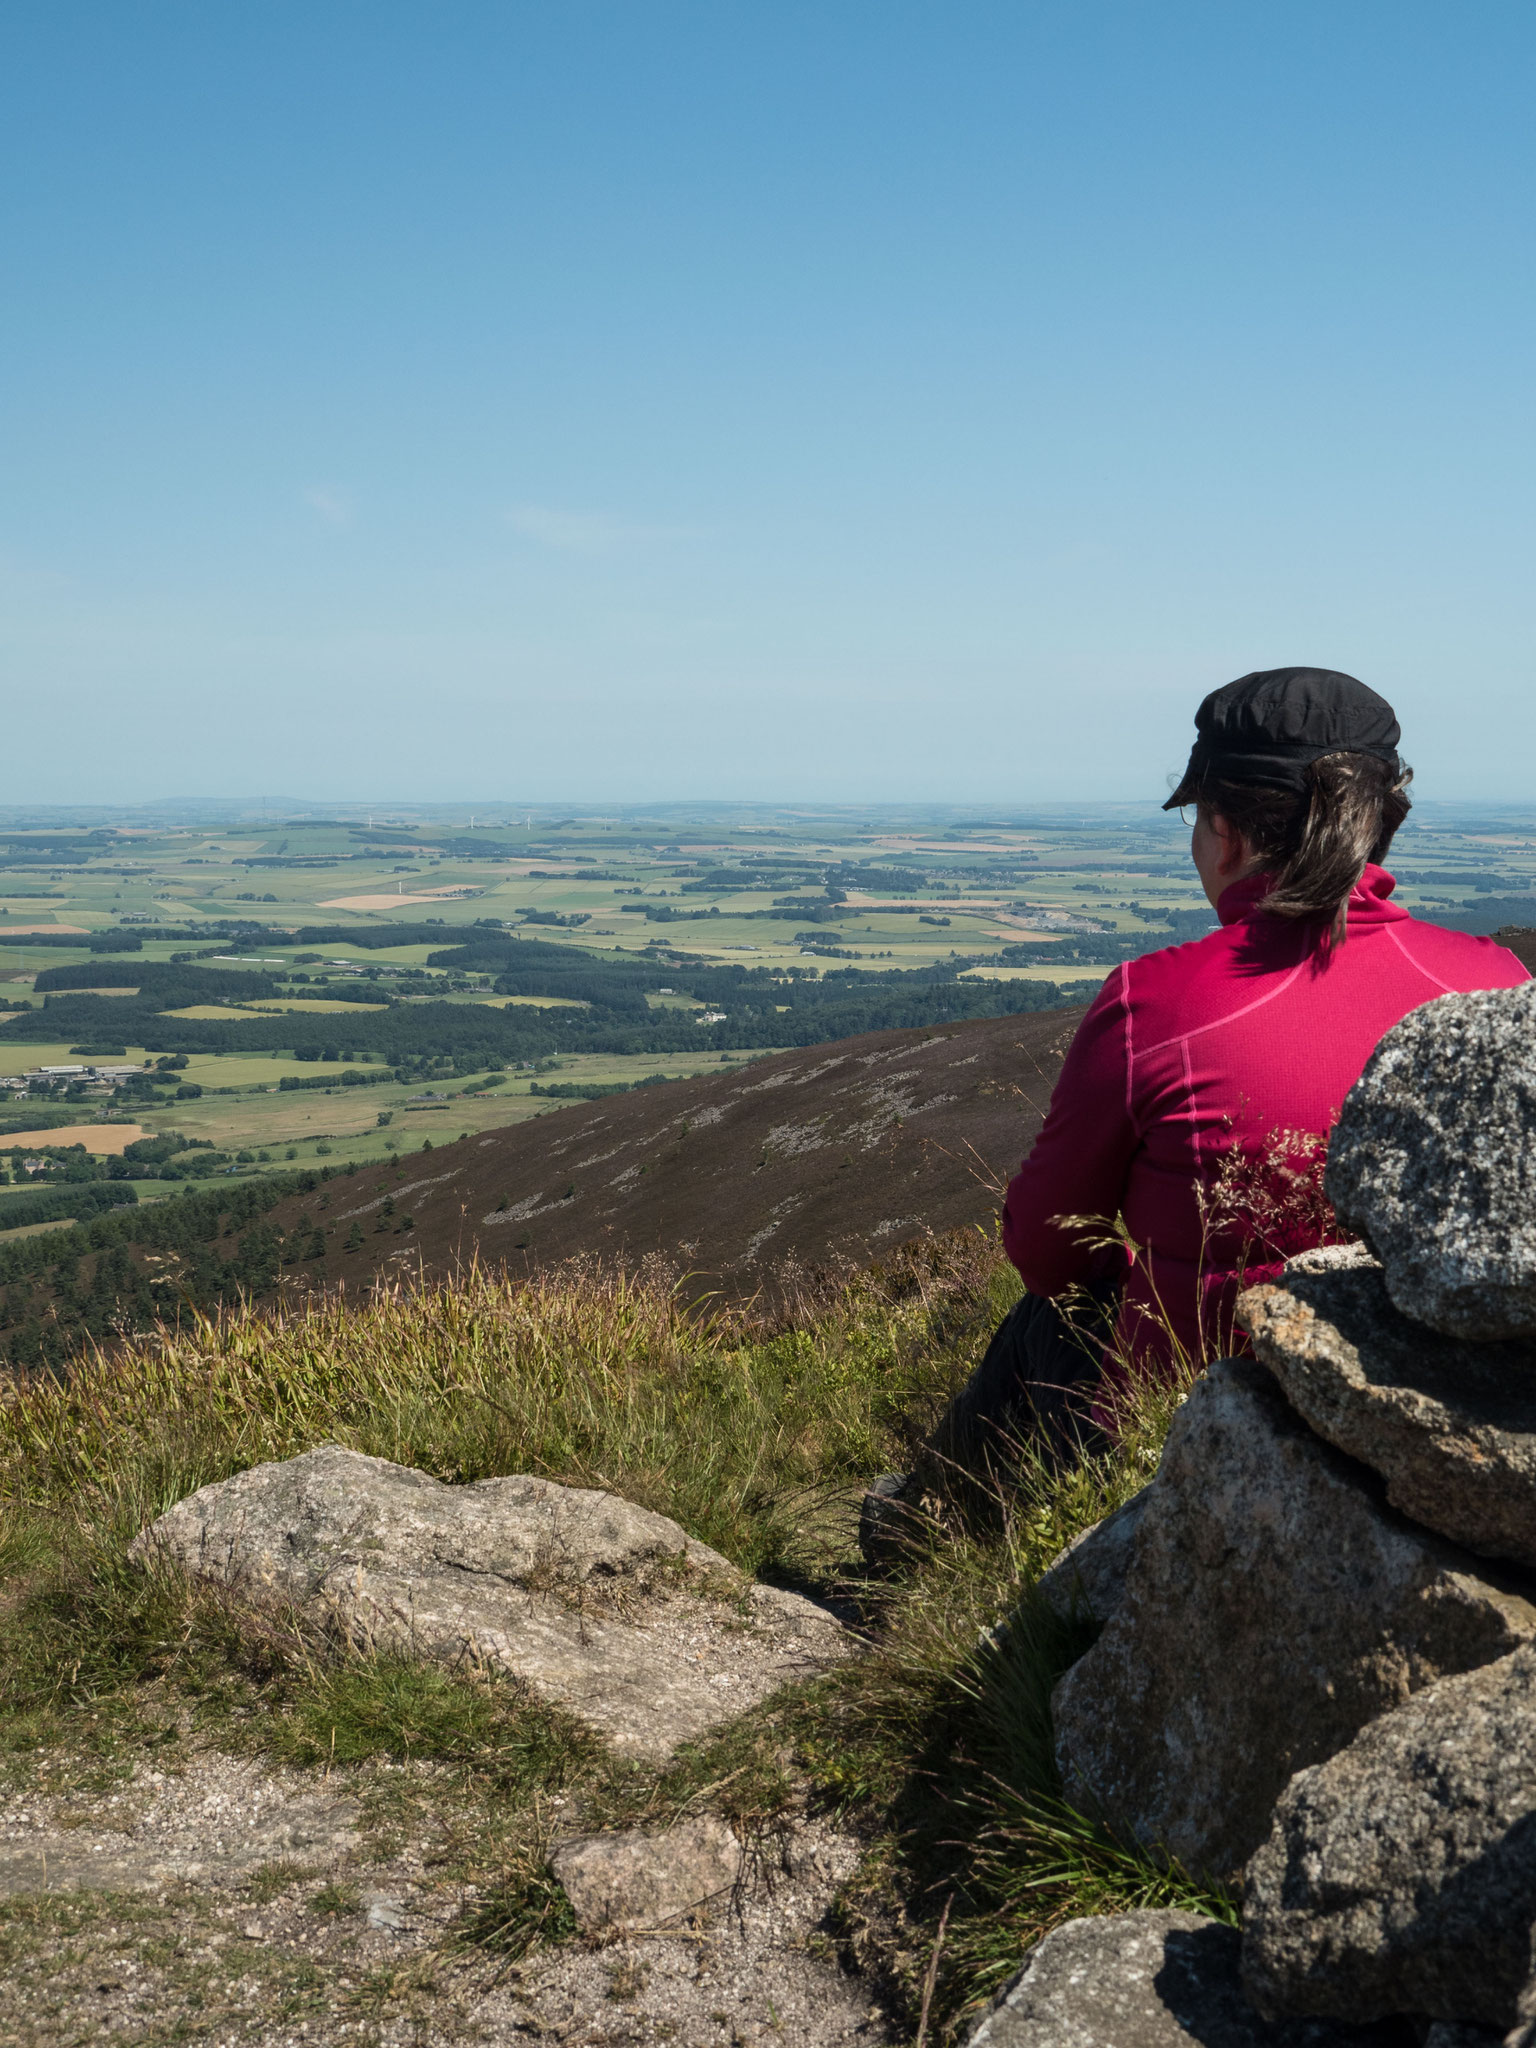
[1080, 949]
[168, 984]
[50, 1204]
[593, 1091]
[349, 1077]
[64, 1288]
[1453, 878]
[1492, 913]
[370, 938]
[43, 850]
[667, 913]
[93, 942]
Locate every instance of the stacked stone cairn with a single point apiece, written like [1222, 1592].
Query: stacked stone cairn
[1316, 1675]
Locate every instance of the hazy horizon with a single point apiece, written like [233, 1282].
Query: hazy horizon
[493, 813]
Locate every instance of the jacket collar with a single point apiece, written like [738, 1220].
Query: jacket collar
[1368, 900]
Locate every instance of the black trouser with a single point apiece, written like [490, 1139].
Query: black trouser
[1034, 1387]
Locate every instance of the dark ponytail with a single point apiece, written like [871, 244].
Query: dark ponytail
[1315, 845]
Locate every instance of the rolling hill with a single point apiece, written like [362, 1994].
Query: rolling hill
[829, 1155]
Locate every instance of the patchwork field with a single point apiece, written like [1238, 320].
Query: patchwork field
[713, 934]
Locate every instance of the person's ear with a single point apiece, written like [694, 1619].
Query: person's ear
[1235, 852]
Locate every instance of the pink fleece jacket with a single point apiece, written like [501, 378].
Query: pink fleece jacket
[1187, 1053]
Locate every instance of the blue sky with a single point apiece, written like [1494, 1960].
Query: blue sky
[613, 399]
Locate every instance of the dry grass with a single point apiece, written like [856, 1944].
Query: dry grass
[591, 1375]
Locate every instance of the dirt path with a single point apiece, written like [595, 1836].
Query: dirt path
[222, 1900]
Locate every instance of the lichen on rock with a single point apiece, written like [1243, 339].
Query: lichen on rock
[1433, 1163]
[1450, 1425]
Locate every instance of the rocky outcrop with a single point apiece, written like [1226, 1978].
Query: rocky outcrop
[1433, 1163]
[1400, 1876]
[1450, 1425]
[693, 1874]
[642, 1880]
[1146, 1980]
[1088, 1579]
[749, 1967]
[603, 1608]
[1272, 1607]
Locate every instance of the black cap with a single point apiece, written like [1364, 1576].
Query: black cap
[1267, 728]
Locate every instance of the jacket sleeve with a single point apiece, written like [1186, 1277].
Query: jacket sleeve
[1080, 1160]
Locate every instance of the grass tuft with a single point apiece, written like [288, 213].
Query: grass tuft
[365, 1707]
[334, 1899]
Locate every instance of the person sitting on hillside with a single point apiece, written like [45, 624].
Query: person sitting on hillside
[1196, 1097]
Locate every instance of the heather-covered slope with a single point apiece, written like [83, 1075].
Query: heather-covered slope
[827, 1155]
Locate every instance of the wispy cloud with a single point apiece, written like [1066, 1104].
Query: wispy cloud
[585, 533]
[334, 506]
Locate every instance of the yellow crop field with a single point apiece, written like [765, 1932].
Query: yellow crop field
[1069, 970]
[104, 1139]
[207, 1013]
[224, 1013]
[236, 1070]
[534, 1003]
[312, 1005]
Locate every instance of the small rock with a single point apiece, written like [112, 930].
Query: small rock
[1273, 1605]
[386, 1913]
[1400, 1876]
[1146, 1980]
[1088, 1578]
[1433, 1163]
[1449, 2034]
[625, 1883]
[1450, 1425]
[604, 1608]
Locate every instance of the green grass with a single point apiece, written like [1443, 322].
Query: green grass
[934, 1746]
